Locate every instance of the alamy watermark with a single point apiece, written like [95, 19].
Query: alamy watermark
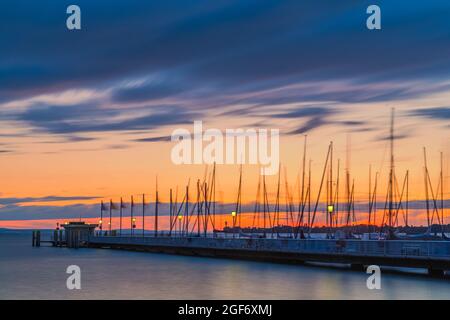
[73, 21]
[234, 146]
[374, 280]
[74, 280]
[373, 22]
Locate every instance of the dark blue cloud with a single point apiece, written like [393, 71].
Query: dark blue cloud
[31, 212]
[303, 112]
[439, 113]
[154, 139]
[309, 125]
[213, 54]
[148, 92]
[68, 120]
[316, 116]
[219, 44]
[14, 201]
[398, 136]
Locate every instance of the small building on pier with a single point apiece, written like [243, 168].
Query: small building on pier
[78, 232]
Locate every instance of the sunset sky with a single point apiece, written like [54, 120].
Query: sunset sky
[87, 115]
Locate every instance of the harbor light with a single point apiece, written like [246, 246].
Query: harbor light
[330, 208]
[180, 217]
[233, 213]
[100, 222]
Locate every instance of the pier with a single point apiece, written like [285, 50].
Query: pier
[431, 255]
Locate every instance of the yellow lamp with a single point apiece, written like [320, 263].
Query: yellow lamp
[233, 213]
[330, 208]
[134, 219]
[100, 221]
[180, 217]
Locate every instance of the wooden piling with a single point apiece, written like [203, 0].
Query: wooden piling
[60, 239]
[436, 273]
[38, 238]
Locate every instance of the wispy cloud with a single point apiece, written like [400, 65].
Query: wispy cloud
[438, 113]
[15, 201]
[154, 139]
[70, 120]
[311, 124]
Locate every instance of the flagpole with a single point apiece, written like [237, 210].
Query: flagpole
[143, 214]
[156, 209]
[120, 221]
[101, 218]
[110, 215]
[132, 222]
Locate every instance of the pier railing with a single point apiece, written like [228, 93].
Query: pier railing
[392, 248]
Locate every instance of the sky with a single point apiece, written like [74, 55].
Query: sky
[86, 115]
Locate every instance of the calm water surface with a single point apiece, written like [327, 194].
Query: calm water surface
[40, 273]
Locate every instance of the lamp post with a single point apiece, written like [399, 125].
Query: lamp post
[330, 209]
[233, 215]
[180, 217]
[100, 222]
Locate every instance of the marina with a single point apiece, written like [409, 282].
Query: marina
[192, 224]
[224, 150]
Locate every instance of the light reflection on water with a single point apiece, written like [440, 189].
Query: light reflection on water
[39, 273]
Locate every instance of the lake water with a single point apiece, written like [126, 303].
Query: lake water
[40, 273]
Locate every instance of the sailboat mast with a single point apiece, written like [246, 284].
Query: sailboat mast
[186, 213]
[131, 215]
[101, 216]
[374, 200]
[238, 200]
[277, 208]
[170, 212]
[309, 194]
[391, 173]
[156, 208]
[407, 197]
[264, 205]
[206, 206]
[336, 199]
[347, 180]
[302, 200]
[320, 190]
[198, 208]
[120, 220]
[143, 214]
[442, 191]
[331, 186]
[426, 184]
[110, 215]
[213, 191]
[370, 196]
